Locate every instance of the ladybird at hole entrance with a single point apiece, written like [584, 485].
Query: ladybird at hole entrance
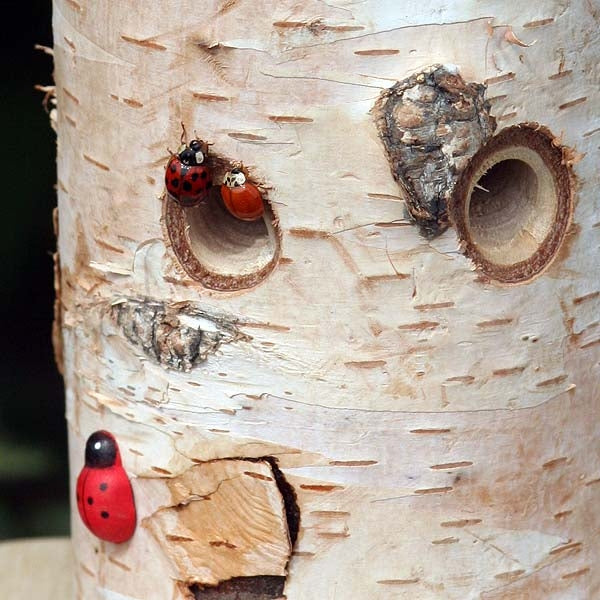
[241, 198]
[109, 507]
[188, 178]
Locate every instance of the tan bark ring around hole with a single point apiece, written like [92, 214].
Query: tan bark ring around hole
[221, 252]
[513, 203]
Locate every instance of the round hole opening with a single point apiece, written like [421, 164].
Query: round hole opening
[512, 205]
[217, 249]
[510, 214]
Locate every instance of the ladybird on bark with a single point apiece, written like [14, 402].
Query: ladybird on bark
[188, 178]
[241, 198]
[104, 495]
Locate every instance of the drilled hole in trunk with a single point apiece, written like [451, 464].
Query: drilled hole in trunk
[512, 205]
[218, 250]
[510, 214]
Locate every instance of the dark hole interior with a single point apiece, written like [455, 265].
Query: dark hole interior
[260, 587]
[504, 211]
[228, 246]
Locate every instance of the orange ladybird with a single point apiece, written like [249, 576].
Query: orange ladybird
[241, 198]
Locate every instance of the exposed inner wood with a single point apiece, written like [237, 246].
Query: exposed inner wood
[512, 208]
[227, 245]
[225, 519]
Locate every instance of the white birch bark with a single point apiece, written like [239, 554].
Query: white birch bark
[440, 431]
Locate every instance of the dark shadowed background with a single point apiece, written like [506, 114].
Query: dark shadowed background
[33, 455]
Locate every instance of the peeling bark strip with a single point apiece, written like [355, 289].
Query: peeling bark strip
[57, 336]
[431, 124]
[264, 587]
[177, 337]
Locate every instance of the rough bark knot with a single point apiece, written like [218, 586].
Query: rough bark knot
[431, 124]
[176, 336]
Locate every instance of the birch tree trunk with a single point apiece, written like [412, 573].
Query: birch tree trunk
[349, 398]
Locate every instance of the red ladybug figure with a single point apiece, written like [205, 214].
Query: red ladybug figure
[242, 199]
[188, 179]
[104, 495]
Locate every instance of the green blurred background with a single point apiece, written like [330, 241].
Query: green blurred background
[33, 448]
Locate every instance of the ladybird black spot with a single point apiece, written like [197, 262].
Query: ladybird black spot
[90, 500]
[175, 182]
[187, 186]
[103, 486]
[194, 176]
[104, 514]
[173, 167]
[204, 175]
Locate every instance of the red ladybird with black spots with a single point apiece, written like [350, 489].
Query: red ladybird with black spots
[104, 495]
[188, 178]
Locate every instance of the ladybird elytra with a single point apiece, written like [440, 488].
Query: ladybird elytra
[188, 177]
[240, 197]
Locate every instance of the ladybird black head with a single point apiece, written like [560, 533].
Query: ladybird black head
[187, 156]
[100, 450]
[196, 145]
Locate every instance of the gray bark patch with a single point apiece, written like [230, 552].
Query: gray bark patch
[431, 124]
[176, 336]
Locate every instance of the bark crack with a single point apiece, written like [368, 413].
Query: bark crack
[395, 29]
